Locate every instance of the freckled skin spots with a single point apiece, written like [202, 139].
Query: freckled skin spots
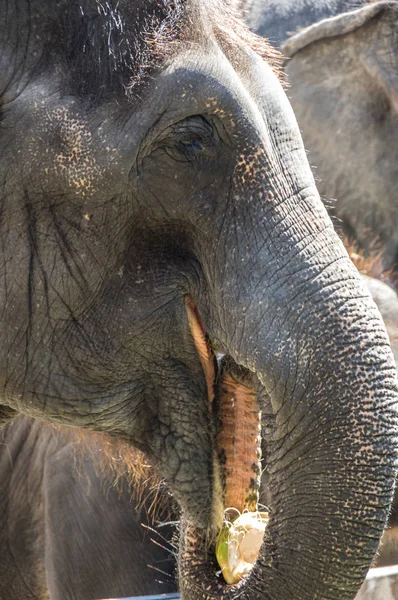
[249, 165]
[76, 160]
[65, 150]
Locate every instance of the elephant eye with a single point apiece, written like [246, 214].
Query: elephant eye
[191, 146]
[193, 139]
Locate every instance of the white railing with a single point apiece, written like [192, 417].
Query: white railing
[380, 584]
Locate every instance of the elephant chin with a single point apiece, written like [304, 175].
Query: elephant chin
[237, 454]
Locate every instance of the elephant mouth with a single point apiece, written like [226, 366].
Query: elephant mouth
[235, 411]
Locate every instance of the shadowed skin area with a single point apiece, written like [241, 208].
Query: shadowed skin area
[135, 173]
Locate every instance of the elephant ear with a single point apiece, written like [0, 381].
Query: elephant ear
[370, 33]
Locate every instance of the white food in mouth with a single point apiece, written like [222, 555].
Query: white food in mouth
[239, 543]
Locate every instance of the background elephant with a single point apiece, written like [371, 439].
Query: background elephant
[157, 205]
[387, 301]
[355, 98]
[342, 73]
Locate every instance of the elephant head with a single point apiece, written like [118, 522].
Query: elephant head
[344, 91]
[149, 157]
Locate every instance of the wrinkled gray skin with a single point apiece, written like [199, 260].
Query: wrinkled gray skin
[67, 531]
[71, 524]
[117, 201]
[343, 87]
[342, 83]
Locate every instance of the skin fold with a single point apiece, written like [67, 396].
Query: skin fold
[149, 154]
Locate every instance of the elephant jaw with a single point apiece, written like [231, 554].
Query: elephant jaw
[237, 468]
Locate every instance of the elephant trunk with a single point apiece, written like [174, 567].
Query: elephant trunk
[314, 339]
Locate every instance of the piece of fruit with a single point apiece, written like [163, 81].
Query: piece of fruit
[238, 544]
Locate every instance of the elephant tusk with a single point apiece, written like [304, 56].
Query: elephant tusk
[238, 443]
[202, 346]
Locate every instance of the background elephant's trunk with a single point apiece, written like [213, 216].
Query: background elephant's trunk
[315, 340]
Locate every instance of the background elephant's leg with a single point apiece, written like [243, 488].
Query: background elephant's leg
[70, 527]
[97, 541]
[21, 512]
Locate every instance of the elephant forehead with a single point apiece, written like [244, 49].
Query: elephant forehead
[62, 144]
[102, 48]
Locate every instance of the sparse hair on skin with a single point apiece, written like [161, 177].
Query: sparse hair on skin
[160, 37]
[225, 19]
[91, 44]
[233, 30]
[101, 46]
